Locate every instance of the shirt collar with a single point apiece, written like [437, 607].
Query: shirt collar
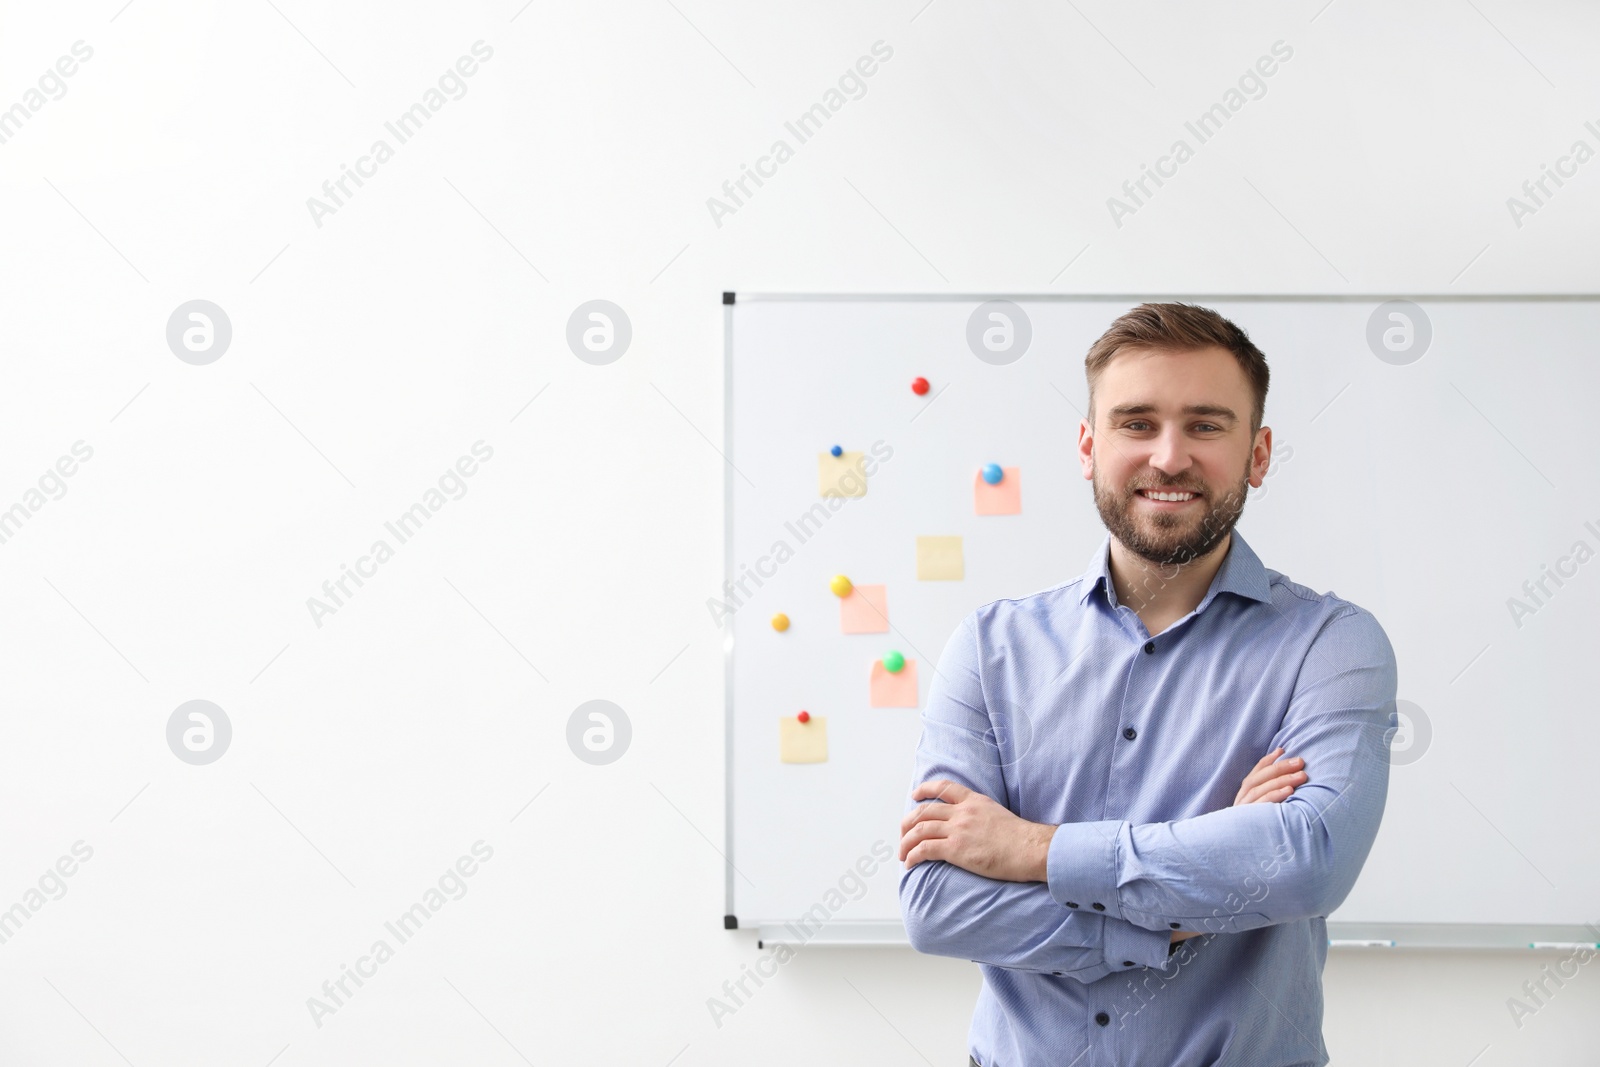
[1241, 572]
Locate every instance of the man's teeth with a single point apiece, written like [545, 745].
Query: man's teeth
[1168, 496]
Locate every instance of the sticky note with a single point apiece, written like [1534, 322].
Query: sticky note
[898, 690]
[865, 610]
[939, 559]
[803, 742]
[1002, 499]
[842, 475]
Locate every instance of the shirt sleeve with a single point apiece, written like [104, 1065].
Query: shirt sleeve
[1266, 863]
[949, 911]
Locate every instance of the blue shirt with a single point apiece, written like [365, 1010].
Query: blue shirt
[1063, 708]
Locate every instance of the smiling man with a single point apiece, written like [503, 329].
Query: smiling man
[1093, 820]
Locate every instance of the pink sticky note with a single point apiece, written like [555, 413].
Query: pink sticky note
[865, 610]
[894, 690]
[1002, 499]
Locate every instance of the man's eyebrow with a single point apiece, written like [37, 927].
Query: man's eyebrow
[1215, 411]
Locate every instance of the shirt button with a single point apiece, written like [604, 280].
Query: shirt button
[1102, 1018]
[1130, 733]
[1072, 903]
[1173, 925]
[1098, 906]
[1149, 646]
[1127, 963]
[1056, 973]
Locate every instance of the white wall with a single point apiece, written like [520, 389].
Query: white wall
[370, 352]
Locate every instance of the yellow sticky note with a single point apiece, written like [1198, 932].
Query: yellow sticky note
[1002, 499]
[803, 742]
[841, 475]
[865, 610]
[893, 690]
[939, 559]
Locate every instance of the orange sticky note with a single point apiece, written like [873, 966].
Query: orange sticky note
[894, 690]
[865, 610]
[803, 742]
[1002, 499]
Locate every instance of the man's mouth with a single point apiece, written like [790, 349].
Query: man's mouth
[1166, 499]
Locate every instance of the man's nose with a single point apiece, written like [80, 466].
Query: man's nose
[1170, 452]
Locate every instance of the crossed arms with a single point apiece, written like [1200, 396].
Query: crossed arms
[1085, 898]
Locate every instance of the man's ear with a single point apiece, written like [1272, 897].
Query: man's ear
[1086, 449]
[1261, 457]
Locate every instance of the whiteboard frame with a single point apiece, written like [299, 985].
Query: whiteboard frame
[875, 933]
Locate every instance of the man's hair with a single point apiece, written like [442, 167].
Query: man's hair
[1179, 328]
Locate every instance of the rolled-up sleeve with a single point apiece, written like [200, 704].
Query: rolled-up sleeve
[1265, 863]
[949, 911]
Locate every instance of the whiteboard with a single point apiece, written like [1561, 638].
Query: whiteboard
[1431, 476]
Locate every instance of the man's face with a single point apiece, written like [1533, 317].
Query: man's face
[1172, 423]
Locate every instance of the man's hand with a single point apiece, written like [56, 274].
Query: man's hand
[1271, 782]
[975, 833]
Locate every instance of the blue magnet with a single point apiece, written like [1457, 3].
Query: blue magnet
[836, 451]
[992, 473]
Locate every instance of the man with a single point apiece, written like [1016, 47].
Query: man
[1079, 826]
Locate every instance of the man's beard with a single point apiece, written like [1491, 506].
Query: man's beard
[1171, 539]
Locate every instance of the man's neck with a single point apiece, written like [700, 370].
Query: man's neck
[1161, 595]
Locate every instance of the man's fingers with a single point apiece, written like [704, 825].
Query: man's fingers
[942, 789]
[1283, 784]
[927, 831]
[1261, 792]
[1261, 774]
[1266, 774]
[1292, 779]
[1258, 785]
[932, 849]
[923, 812]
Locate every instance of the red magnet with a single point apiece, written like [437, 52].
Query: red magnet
[919, 386]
